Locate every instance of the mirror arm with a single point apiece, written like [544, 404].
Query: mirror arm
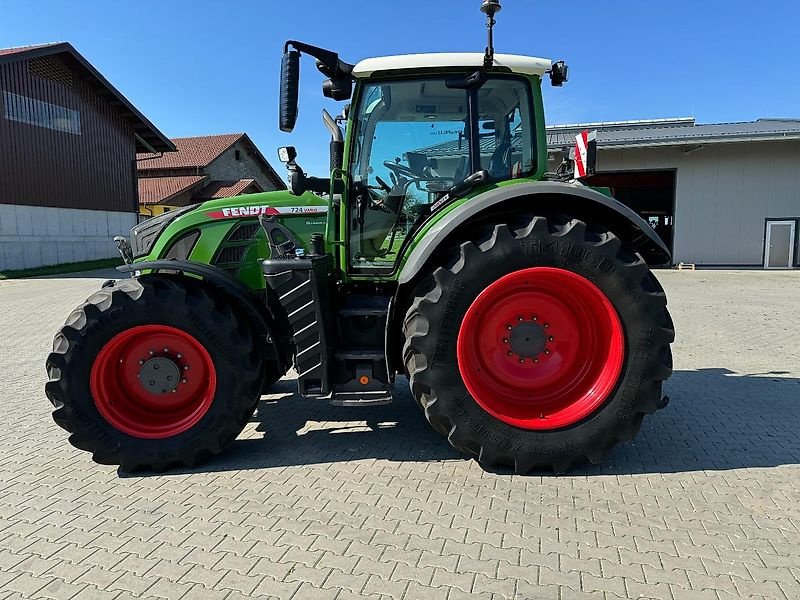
[334, 65]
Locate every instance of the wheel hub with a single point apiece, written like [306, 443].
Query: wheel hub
[153, 381]
[540, 348]
[159, 375]
[527, 339]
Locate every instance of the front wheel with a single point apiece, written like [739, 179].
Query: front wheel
[153, 373]
[541, 343]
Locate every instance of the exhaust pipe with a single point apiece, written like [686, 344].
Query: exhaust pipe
[337, 141]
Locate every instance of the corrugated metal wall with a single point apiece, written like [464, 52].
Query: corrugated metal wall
[724, 194]
[40, 166]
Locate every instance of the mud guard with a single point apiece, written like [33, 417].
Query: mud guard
[622, 220]
[263, 321]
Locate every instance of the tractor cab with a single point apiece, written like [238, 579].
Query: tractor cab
[423, 131]
[420, 138]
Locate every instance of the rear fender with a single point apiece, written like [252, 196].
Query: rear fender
[266, 323]
[545, 197]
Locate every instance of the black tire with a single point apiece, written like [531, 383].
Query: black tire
[431, 329]
[154, 300]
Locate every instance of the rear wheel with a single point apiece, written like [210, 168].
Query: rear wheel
[153, 373]
[541, 343]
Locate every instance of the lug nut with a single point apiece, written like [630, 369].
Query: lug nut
[184, 380]
[550, 338]
[141, 362]
[151, 352]
[547, 351]
[521, 360]
[535, 317]
[166, 349]
[505, 340]
[510, 353]
[185, 367]
[546, 325]
[508, 327]
[536, 360]
[179, 355]
[519, 318]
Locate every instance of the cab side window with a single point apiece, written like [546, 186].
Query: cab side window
[506, 129]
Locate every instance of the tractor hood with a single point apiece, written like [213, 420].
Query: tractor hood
[226, 232]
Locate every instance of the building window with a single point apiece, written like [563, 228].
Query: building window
[42, 114]
[237, 155]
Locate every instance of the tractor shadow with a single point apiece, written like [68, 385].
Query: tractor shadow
[716, 420]
[297, 431]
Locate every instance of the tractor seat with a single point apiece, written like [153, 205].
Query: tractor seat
[500, 163]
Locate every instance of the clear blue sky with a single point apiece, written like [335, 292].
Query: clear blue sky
[205, 67]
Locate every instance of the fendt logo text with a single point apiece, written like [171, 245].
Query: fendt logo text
[253, 211]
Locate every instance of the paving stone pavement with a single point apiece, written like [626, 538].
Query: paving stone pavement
[320, 502]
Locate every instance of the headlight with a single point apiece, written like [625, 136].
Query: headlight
[145, 234]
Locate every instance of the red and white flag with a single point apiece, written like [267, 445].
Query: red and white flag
[584, 161]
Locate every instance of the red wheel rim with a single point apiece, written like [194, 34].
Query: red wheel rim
[153, 381]
[541, 348]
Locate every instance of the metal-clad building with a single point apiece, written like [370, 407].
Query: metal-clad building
[68, 143]
[719, 195]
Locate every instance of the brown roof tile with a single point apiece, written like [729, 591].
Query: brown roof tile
[195, 152]
[153, 190]
[226, 189]
[18, 49]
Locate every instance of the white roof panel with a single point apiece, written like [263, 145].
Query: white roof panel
[527, 65]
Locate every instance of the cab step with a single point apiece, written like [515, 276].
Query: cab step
[374, 398]
[360, 354]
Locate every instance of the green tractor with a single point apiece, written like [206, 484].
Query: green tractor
[518, 302]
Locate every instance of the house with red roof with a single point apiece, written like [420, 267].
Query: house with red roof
[203, 168]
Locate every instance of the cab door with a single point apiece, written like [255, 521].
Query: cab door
[410, 145]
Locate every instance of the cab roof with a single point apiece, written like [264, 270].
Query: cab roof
[526, 65]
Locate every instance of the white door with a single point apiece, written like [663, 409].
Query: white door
[779, 245]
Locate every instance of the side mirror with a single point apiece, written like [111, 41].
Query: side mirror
[297, 179]
[559, 73]
[290, 84]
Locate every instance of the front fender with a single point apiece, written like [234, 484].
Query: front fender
[265, 324]
[545, 196]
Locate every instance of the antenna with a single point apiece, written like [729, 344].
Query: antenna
[490, 8]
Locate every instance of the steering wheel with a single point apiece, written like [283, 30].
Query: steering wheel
[401, 170]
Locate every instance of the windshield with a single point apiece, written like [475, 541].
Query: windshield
[413, 143]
